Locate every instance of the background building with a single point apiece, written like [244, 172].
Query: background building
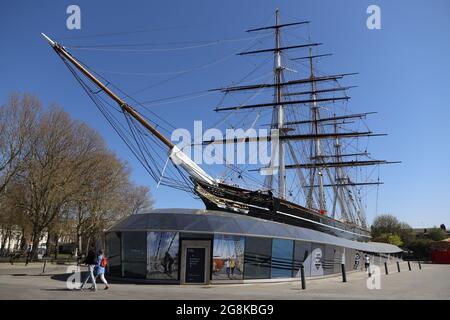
[440, 251]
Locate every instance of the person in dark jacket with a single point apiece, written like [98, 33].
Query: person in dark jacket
[168, 262]
[91, 262]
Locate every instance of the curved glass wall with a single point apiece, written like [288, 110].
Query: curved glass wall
[155, 255]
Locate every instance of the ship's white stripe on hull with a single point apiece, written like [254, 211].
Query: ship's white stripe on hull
[309, 220]
[291, 215]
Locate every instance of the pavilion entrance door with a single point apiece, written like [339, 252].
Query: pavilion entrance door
[195, 262]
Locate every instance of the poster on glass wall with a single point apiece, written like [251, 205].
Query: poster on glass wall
[228, 257]
[162, 255]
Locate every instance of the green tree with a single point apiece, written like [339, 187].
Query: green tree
[385, 224]
[407, 234]
[421, 248]
[392, 238]
[387, 228]
[395, 239]
[437, 234]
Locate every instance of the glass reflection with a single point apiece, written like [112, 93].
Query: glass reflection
[302, 255]
[258, 253]
[228, 257]
[113, 248]
[133, 254]
[162, 255]
[282, 256]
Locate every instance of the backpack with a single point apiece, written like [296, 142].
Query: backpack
[103, 262]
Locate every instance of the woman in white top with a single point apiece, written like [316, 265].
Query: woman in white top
[366, 261]
[227, 266]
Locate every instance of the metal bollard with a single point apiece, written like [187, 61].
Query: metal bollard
[409, 266]
[398, 266]
[302, 276]
[368, 271]
[45, 264]
[420, 267]
[386, 268]
[344, 276]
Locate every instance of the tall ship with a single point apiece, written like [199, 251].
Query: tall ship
[315, 178]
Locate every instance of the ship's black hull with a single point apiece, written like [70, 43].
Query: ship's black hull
[263, 205]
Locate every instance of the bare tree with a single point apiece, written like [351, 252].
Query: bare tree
[60, 150]
[17, 119]
[13, 220]
[138, 198]
[98, 195]
[60, 177]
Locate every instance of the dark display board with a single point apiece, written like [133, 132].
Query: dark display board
[195, 265]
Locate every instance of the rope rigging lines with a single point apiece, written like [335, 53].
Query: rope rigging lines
[140, 143]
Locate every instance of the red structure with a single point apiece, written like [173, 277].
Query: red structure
[441, 252]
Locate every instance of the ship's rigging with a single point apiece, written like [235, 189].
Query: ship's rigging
[320, 158]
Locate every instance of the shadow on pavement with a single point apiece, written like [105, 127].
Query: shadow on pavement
[62, 289]
[64, 276]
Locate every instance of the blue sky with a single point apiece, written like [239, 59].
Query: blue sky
[403, 75]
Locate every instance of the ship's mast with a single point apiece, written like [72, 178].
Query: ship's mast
[316, 152]
[336, 171]
[280, 111]
[340, 181]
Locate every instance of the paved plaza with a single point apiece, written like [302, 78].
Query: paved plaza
[432, 282]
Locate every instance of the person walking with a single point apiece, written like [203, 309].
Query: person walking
[91, 262]
[366, 262]
[100, 268]
[232, 266]
[227, 267]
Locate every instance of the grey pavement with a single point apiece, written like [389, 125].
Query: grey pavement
[432, 282]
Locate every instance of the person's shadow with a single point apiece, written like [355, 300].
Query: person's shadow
[61, 289]
[64, 276]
